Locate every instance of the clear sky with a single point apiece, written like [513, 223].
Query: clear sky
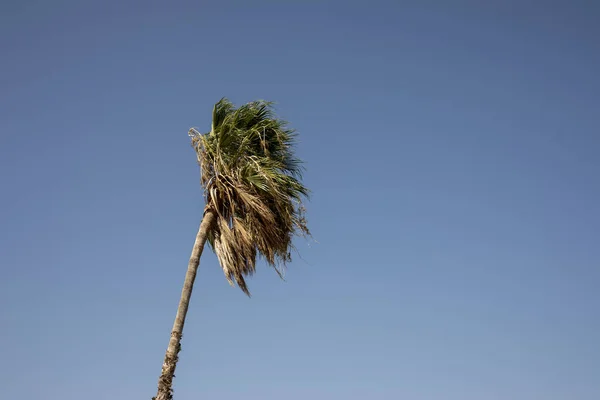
[453, 150]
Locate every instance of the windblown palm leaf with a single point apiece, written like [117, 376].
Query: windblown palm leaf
[252, 182]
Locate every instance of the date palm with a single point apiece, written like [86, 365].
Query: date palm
[253, 203]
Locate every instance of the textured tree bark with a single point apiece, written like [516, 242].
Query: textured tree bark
[165, 382]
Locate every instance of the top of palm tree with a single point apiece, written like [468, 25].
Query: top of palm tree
[252, 182]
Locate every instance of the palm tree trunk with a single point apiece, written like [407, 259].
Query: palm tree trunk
[165, 382]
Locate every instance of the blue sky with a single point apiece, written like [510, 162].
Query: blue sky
[452, 150]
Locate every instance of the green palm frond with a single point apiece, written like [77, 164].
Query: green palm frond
[252, 181]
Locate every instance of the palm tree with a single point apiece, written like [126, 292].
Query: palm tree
[253, 195]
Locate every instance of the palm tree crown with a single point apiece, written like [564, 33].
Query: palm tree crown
[252, 182]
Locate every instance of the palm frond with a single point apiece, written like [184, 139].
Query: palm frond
[252, 181]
